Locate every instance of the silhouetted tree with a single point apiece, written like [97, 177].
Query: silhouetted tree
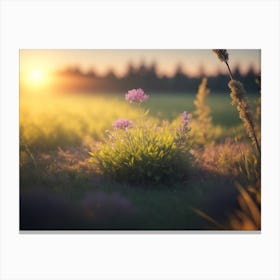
[72, 79]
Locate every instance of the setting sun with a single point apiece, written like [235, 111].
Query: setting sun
[37, 77]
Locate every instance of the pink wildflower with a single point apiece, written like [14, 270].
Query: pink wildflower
[136, 96]
[122, 124]
[185, 118]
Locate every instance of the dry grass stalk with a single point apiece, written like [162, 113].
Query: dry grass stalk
[248, 217]
[239, 100]
[202, 126]
[223, 56]
[238, 95]
[202, 112]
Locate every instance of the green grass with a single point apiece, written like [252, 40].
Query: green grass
[54, 156]
[169, 106]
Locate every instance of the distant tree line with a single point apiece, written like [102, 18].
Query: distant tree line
[146, 77]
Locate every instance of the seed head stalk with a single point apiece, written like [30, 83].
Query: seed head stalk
[230, 74]
[238, 95]
[223, 57]
[239, 99]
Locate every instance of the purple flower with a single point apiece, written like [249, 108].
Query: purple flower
[136, 96]
[122, 124]
[185, 118]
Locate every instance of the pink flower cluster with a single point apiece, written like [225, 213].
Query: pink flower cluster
[185, 118]
[136, 96]
[122, 124]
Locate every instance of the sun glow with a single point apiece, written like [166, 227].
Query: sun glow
[36, 77]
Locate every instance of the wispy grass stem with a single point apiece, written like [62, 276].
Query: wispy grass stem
[238, 95]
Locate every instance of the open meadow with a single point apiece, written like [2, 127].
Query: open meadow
[57, 133]
[163, 145]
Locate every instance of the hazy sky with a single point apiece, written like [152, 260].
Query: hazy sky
[167, 60]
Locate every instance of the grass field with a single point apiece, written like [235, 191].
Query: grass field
[60, 189]
[169, 106]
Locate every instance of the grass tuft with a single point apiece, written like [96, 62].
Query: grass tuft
[145, 154]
